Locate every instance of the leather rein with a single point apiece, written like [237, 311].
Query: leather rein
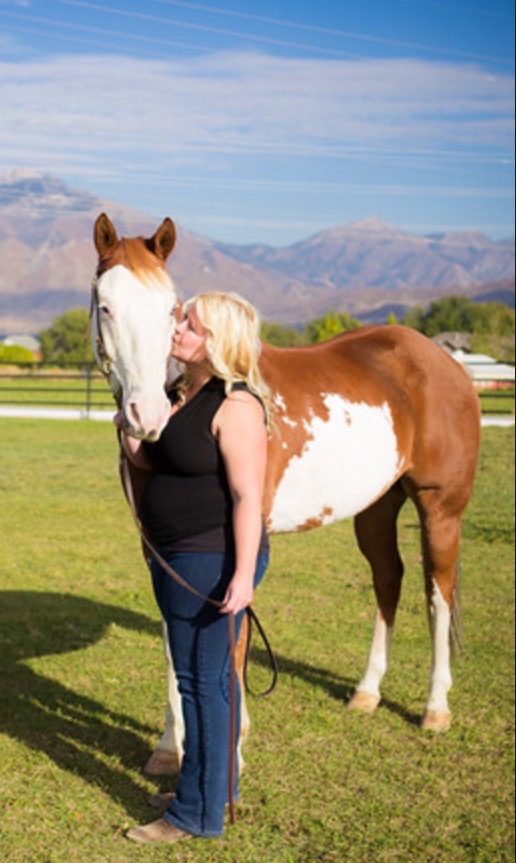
[103, 360]
[104, 364]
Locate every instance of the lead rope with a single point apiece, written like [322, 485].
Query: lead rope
[232, 717]
[128, 488]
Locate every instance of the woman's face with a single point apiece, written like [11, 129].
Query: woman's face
[189, 342]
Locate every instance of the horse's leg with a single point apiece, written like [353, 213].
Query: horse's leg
[441, 526]
[375, 529]
[168, 753]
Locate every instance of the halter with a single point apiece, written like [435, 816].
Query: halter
[104, 362]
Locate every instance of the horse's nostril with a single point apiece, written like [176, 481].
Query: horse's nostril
[133, 414]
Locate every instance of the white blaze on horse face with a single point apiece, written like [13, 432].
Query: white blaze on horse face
[137, 325]
[348, 460]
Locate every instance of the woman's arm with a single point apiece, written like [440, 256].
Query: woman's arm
[132, 446]
[242, 436]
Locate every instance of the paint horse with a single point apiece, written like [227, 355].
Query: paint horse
[362, 422]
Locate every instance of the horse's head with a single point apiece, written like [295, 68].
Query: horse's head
[132, 323]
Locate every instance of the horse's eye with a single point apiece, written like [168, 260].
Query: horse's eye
[105, 310]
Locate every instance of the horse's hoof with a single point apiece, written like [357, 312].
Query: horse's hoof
[162, 763]
[364, 701]
[436, 720]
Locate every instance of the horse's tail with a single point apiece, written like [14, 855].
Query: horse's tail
[456, 628]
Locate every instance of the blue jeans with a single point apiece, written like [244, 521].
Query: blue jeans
[198, 636]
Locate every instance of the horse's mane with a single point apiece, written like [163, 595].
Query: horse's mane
[140, 260]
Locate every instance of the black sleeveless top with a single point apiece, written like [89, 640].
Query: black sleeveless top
[186, 504]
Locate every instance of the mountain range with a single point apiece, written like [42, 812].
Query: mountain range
[367, 268]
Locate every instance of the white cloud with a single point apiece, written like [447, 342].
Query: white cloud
[242, 144]
[104, 110]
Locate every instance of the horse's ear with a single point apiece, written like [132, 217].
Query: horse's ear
[104, 235]
[163, 240]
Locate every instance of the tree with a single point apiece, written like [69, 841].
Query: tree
[15, 354]
[414, 318]
[282, 337]
[493, 318]
[493, 331]
[449, 314]
[67, 340]
[491, 324]
[331, 324]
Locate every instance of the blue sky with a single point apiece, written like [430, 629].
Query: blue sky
[256, 121]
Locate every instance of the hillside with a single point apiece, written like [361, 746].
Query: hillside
[373, 254]
[364, 268]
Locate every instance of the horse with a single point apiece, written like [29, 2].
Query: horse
[362, 422]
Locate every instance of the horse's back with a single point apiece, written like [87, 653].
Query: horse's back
[356, 413]
[373, 365]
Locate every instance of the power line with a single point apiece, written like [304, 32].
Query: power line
[216, 10]
[279, 42]
[87, 28]
[204, 28]
[154, 40]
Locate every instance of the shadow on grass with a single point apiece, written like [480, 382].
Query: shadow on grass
[488, 533]
[338, 687]
[76, 732]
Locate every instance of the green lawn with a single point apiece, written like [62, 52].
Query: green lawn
[497, 401]
[82, 684]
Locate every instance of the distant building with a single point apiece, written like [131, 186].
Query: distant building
[451, 342]
[485, 372]
[31, 343]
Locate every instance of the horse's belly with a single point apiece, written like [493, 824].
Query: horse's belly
[348, 459]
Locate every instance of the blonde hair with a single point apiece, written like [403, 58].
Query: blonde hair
[233, 344]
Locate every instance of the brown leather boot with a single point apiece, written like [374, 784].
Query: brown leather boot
[157, 831]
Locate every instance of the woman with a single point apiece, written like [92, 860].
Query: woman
[202, 508]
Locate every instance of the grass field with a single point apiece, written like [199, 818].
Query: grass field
[497, 401]
[82, 683]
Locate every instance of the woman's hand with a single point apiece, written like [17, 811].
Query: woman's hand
[239, 594]
[131, 446]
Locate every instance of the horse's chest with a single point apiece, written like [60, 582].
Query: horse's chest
[341, 462]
